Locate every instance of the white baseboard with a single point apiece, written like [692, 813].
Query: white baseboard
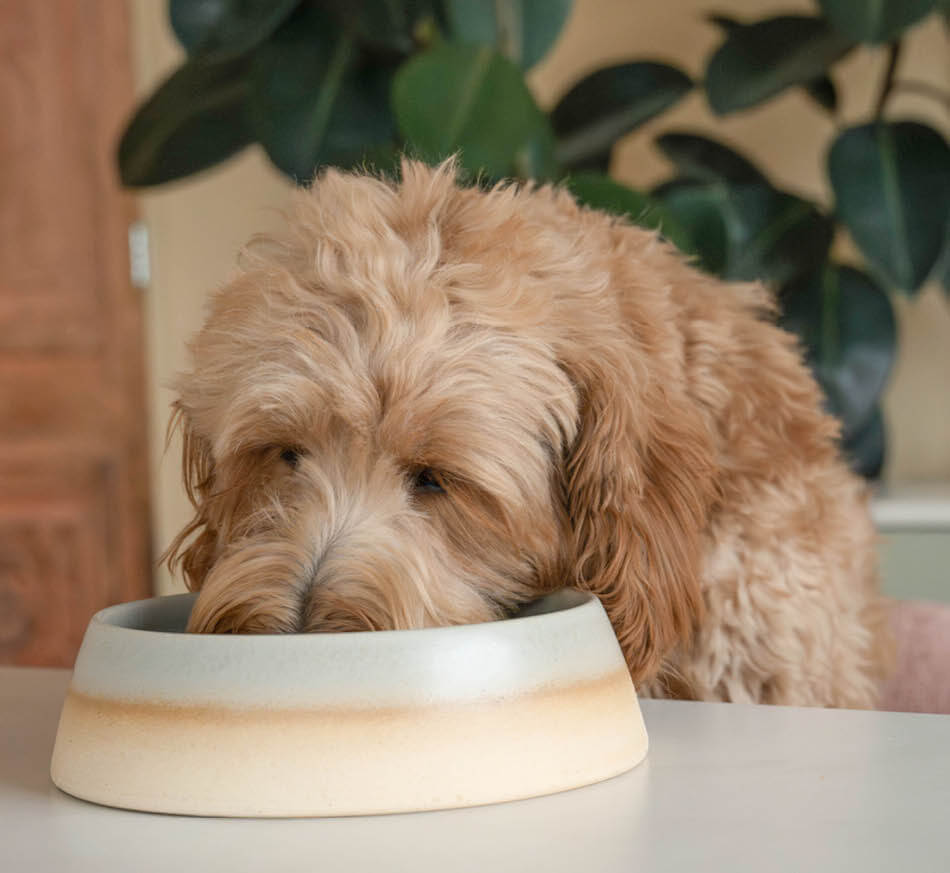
[914, 506]
[914, 521]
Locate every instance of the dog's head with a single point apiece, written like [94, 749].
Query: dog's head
[427, 404]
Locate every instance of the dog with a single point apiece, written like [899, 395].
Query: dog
[428, 403]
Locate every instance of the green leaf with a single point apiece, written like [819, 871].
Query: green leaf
[600, 192]
[535, 159]
[382, 159]
[822, 91]
[874, 20]
[865, 449]
[226, 28]
[608, 104]
[758, 61]
[386, 25]
[892, 187]
[698, 209]
[313, 101]
[942, 271]
[705, 160]
[750, 231]
[193, 120]
[774, 236]
[522, 30]
[472, 100]
[847, 325]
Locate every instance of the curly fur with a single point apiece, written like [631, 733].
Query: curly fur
[599, 413]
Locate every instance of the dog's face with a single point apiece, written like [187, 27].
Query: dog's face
[406, 414]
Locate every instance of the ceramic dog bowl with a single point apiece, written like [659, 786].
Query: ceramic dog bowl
[344, 723]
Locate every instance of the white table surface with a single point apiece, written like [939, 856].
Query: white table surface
[725, 787]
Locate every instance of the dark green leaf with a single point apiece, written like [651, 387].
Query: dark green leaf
[774, 236]
[942, 273]
[600, 192]
[195, 119]
[822, 91]
[226, 28]
[522, 30]
[698, 210]
[757, 61]
[874, 20]
[865, 450]
[535, 159]
[313, 101]
[386, 25]
[705, 160]
[607, 104]
[846, 323]
[383, 159]
[892, 187]
[750, 231]
[472, 100]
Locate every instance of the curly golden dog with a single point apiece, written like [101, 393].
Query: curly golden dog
[427, 404]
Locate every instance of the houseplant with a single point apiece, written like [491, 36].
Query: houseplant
[331, 83]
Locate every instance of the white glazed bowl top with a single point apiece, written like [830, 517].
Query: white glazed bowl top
[143, 654]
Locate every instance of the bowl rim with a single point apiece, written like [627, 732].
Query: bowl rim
[577, 599]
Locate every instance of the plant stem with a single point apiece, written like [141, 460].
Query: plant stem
[508, 29]
[830, 332]
[893, 54]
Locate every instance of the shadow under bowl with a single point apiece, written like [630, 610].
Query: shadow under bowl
[344, 723]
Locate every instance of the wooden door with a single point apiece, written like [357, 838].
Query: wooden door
[73, 460]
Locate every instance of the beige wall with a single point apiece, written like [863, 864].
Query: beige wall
[197, 226]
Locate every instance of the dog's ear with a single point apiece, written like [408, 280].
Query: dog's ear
[639, 486]
[193, 548]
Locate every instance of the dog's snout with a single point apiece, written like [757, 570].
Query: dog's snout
[339, 621]
[254, 588]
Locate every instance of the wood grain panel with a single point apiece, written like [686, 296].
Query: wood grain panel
[73, 495]
[50, 571]
[55, 396]
[50, 293]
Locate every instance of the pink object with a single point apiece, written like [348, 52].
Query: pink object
[921, 681]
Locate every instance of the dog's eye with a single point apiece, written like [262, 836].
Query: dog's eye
[291, 457]
[427, 481]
